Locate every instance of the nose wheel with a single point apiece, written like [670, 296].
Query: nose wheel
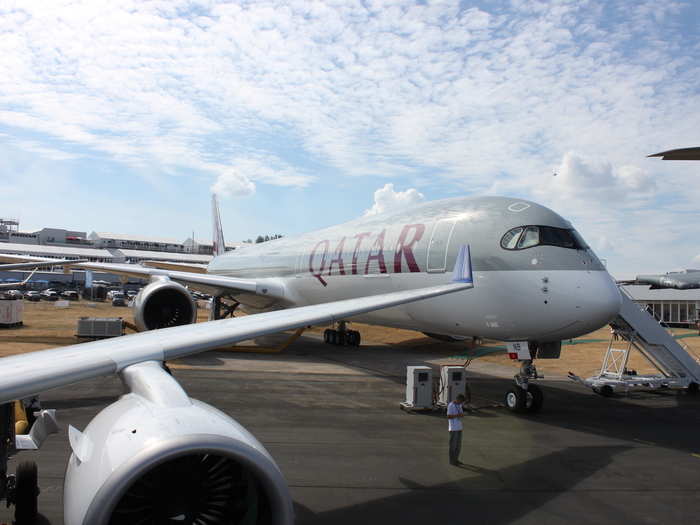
[525, 397]
[523, 401]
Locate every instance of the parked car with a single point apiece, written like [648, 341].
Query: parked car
[14, 294]
[49, 295]
[71, 295]
[132, 293]
[119, 299]
[32, 296]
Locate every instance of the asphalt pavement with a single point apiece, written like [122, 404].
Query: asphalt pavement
[331, 419]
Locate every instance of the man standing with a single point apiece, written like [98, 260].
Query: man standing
[455, 413]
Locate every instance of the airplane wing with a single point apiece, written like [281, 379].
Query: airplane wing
[679, 154]
[182, 267]
[24, 375]
[18, 262]
[211, 284]
[15, 285]
[196, 279]
[679, 281]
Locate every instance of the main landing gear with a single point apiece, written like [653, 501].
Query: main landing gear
[342, 336]
[22, 428]
[525, 397]
[221, 309]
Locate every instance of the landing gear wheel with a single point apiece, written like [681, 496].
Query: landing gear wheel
[693, 389]
[515, 399]
[26, 493]
[605, 391]
[353, 338]
[534, 400]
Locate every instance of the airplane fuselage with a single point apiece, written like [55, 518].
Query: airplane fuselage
[540, 284]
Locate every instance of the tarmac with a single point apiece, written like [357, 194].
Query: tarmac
[331, 419]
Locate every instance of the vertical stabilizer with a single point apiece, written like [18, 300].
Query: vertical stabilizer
[219, 247]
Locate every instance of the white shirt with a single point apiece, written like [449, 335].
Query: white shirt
[454, 409]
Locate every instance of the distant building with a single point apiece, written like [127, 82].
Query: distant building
[135, 242]
[192, 246]
[61, 237]
[668, 305]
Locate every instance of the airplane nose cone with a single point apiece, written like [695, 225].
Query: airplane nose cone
[599, 300]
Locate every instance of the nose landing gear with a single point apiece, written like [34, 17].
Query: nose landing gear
[525, 397]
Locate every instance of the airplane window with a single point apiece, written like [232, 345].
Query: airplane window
[557, 237]
[581, 243]
[524, 237]
[510, 239]
[529, 238]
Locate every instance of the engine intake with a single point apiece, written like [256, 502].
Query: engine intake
[158, 456]
[164, 303]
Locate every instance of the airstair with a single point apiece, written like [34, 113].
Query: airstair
[638, 330]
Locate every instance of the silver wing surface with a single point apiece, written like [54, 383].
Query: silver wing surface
[15, 285]
[28, 374]
[678, 280]
[193, 277]
[19, 262]
[166, 265]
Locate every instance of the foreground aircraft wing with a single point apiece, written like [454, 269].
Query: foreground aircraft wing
[679, 154]
[25, 375]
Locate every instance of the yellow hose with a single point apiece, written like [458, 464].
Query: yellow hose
[21, 422]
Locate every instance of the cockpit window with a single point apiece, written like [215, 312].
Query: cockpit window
[510, 239]
[529, 238]
[524, 237]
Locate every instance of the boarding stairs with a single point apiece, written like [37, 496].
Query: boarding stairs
[637, 329]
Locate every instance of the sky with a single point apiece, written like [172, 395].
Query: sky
[125, 116]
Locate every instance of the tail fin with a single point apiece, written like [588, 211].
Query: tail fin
[219, 247]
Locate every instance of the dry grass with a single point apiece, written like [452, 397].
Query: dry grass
[46, 326]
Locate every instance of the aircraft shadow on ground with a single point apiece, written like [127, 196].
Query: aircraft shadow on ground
[481, 495]
[576, 408]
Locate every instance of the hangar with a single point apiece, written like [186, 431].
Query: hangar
[668, 305]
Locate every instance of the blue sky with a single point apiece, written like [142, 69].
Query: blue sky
[123, 116]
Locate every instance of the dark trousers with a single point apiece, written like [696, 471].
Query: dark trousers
[455, 445]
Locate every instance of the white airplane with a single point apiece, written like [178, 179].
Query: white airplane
[492, 267]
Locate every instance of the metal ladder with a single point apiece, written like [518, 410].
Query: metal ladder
[641, 331]
[652, 340]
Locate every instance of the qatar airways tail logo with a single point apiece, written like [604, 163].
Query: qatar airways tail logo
[367, 248]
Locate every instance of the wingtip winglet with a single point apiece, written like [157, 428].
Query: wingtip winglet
[463, 266]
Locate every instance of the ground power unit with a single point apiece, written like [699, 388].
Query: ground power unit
[11, 312]
[419, 388]
[99, 327]
[452, 383]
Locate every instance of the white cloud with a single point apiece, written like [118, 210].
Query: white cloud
[233, 183]
[387, 199]
[589, 179]
[477, 98]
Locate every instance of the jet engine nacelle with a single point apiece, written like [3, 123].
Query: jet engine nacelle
[164, 303]
[158, 456]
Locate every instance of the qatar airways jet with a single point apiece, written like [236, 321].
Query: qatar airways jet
[494, 267]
